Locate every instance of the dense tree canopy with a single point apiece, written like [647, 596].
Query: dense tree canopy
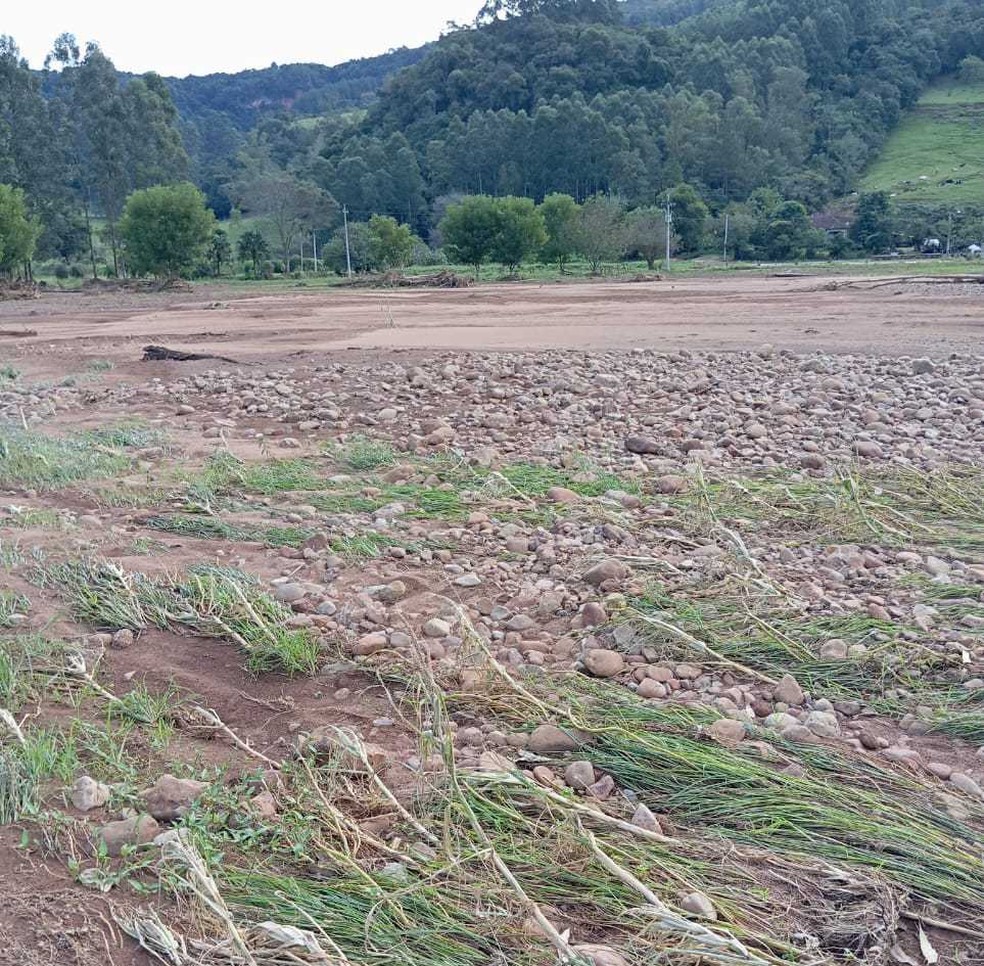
[166, 230]
[18, 230]
[557, 95]
[78, 140]
[716, 101]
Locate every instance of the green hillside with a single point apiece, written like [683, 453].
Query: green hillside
[936, 155]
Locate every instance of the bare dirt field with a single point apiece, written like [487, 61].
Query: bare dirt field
[616, 625]
[801, 314]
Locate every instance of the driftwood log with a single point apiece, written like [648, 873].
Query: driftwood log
[442, 279]
[160, 353]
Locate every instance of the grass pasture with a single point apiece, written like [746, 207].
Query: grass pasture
[936, 155]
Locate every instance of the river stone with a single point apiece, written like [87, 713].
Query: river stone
[548, 739]
[604, 664]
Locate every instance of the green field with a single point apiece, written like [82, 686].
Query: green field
[936, 155]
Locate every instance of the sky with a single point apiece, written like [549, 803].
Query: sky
[180, 37]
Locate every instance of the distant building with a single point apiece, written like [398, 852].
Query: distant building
[974, 251]
[932, 246]
[832, 221]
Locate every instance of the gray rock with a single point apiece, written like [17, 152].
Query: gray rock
[560, 494]
[520, 623]
[788, 691]
[138, 830]
[644, 445]
[390, 593]
[966, 784]
[644, 818]
[779, 721]
[602, 789]
[650, 688]
[599, 955]
[727, 730]
[579, 775]
[436, 627]
[834, 650]
[798, 733]
[824, 724]
[593, 614]
[288, 593]
[922, 366]
[548, 739]
[699, 905]
[370, 644]
[869, 449]
[672, 484]
[604, 664]
[123, 639]
[606, 570]
[88, 794]
[169, 797]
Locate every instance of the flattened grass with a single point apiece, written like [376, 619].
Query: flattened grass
[36, 461]
[212, 601]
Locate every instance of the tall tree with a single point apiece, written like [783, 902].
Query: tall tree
[560, 215]
[219, 250]
[645, 233]
[390, 243]
[117, 138]
[167, 229]
[872, 228]
[600, 231]
[100, 119]
[469, 228]
[519, 233]
[156, 151]
[293, 207]
[253, 248]
[689, 217]
[33, 154]
[19, 231]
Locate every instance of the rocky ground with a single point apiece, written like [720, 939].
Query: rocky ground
[621, 657]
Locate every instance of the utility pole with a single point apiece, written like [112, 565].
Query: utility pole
[669, 229]
[348, 251]
[301, 243]
[314, 245]
[727, 224]
[949, 231]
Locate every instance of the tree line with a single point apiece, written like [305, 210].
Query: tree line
[562, 96]
[757, 111]
[75, 142]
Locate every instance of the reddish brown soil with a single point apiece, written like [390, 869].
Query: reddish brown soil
[44, 917]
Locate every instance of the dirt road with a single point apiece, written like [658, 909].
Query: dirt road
[723, 314]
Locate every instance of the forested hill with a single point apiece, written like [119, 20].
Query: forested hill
[564, 95]
[305, 89]
[744, 105]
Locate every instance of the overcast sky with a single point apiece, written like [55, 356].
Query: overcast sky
[179, 37]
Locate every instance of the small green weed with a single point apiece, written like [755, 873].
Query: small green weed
[211, 528]
[41, 462]
[213, 601]
[128, 435]
[363, 454]
[11, 604]
[43, 519]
